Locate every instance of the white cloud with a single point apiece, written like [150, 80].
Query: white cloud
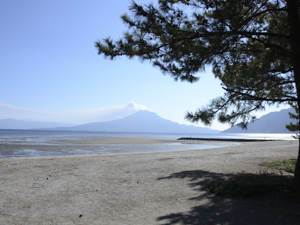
[79, 116]
[11, 107]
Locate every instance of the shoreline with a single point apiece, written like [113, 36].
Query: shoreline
[102, 145]
[228, 139]
[138, 188]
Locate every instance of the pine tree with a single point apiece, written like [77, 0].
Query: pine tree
[294, 126]
[253, 47]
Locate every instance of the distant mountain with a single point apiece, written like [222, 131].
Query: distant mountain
[141, 121]
[21, 124]
[273, 122]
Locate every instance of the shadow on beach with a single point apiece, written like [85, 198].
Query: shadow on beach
[225, 210]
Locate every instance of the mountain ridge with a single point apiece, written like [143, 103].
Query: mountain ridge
[273, 122]
[141, 121]
[147, 121]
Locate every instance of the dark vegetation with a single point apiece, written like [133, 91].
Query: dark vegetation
[285, 165]
[253, 185]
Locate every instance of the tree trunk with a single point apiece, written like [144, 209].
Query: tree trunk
[296, 185]
[293, 19]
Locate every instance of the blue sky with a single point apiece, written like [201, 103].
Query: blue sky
[50, 70]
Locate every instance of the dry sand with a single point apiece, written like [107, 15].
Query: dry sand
[140, 188]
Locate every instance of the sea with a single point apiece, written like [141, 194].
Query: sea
[39, 143]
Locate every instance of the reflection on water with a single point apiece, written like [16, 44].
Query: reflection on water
[25, 143]
[86, 149]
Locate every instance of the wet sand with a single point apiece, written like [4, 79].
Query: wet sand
[82, 145]
[140, 188]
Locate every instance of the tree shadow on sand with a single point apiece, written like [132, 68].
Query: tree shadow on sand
[213, 209]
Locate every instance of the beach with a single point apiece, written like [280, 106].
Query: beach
[141, 188]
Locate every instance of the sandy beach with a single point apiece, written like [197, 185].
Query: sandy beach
[140, 188]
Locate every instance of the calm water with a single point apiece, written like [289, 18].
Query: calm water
[34, 143]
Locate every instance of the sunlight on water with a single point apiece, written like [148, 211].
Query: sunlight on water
[25, 143]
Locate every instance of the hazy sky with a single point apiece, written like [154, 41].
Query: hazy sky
[50, 70]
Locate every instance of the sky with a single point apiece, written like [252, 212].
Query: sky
[50, 70]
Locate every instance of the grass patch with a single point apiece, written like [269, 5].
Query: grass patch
[287, 166]
[250, 185]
